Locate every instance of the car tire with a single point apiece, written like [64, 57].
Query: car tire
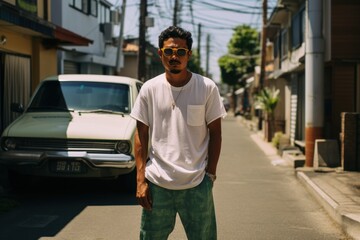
[18, 181]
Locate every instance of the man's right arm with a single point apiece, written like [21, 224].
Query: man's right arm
[141, 155]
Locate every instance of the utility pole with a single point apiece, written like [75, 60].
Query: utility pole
[176, 9]
[263, 56]
[207, 54]
[121, 39]
[263, 44]
[142, 42]
[199, 44]
[314, 78]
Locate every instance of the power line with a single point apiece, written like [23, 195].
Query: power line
[217, 17]
[226, 8]
[238, 4]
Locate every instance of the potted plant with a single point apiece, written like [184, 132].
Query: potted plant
[266, 100]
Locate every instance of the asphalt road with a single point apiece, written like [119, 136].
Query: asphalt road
[256, 197]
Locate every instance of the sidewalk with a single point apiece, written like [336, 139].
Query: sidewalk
[337, 191]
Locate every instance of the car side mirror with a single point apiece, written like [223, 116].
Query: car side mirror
[17, 107]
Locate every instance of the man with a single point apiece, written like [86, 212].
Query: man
[179, 113]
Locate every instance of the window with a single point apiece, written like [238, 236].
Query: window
[277, 50]
[303, 24]
[46, 10]
[93, 7]
[276, 47]
[104, 13]
[78, 4]
[64, 96]
[298, 29]
[295, 33]
[284, 43]
[85, 6]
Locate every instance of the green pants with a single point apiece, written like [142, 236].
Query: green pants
[195, 207]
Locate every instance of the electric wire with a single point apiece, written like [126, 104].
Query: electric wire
[218, 18]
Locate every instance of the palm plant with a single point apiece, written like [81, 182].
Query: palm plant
[267, 100]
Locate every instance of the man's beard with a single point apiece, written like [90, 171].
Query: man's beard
[175, 71]
[174, 62]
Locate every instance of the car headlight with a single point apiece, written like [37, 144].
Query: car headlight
[9, 144]
[123, 147]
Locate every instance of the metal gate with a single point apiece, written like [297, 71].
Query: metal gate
[71, 67]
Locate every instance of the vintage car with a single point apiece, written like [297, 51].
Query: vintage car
[74, 126]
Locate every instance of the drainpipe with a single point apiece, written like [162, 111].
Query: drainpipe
[314, 78]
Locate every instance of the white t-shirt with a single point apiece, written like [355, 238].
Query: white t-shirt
[179, 136]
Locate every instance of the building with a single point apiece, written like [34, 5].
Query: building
[153, 63]
[99, 21]
[289, 72]
[96, 20]
[317, 67]
[29, 43]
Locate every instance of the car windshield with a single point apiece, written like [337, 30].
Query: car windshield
[81, 96]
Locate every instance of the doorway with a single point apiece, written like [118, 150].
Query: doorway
[15, 85]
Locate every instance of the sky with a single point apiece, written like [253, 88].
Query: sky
[217, 19]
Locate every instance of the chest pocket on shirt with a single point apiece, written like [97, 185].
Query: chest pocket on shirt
[195, 115]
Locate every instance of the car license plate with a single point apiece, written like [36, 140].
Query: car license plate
[68, 167]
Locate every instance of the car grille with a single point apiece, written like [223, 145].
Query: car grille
[93, 146]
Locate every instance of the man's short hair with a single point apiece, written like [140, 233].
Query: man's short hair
[175, 32]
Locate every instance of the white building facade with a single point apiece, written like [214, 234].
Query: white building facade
[95, 20]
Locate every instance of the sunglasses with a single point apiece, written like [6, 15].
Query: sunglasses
[170, 51]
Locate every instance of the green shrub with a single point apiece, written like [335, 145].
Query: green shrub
[276, 139]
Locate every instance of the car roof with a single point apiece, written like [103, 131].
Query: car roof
[92, 78]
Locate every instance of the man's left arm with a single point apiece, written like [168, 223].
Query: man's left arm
[214, 146]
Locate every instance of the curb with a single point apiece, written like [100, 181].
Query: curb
[329, 204]
[350, 222]
[345, 214]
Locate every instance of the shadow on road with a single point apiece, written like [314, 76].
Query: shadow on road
[47, 206]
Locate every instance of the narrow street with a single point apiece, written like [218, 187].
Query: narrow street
[256, 197]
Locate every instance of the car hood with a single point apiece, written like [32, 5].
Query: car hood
[72, 125]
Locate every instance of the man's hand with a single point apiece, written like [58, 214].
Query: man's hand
[141, 155]
[143, 195]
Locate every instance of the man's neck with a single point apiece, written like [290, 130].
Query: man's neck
[180, 79]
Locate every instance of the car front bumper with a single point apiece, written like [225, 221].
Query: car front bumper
[92, 164]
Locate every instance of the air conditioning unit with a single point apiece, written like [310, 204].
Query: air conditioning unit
[107, 30]
[115, 16]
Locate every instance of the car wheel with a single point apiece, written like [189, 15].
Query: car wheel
[18, 181]
[21, 182]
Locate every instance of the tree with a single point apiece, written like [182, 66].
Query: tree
[194, 65]
[243, 50]
[240, 60]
